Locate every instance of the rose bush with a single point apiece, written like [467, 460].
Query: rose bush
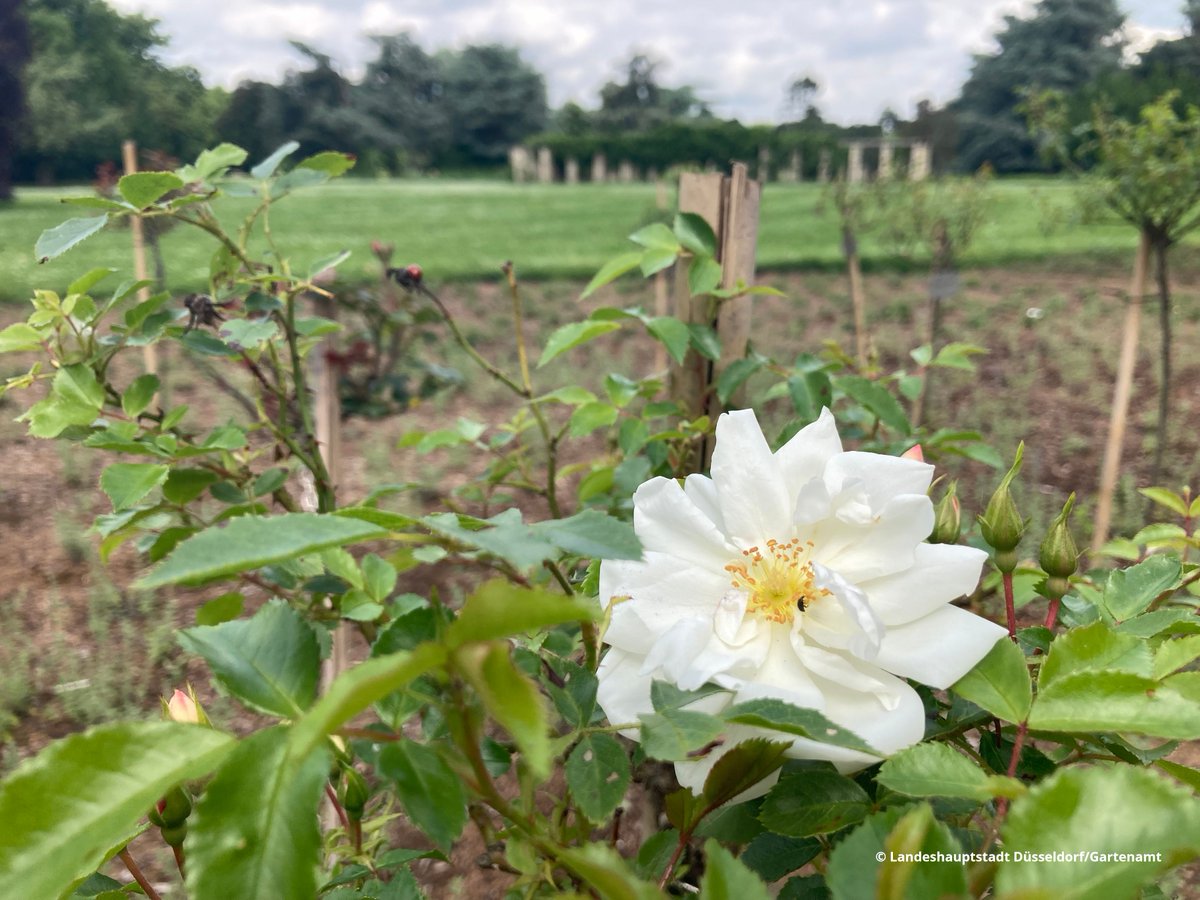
[801, 575]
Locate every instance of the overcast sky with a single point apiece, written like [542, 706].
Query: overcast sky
[867, 55]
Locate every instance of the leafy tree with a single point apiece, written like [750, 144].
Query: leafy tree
[493, 98]
[641, 102]
[800, 95]
[1065, 45]
[14, 52]
[402, 93]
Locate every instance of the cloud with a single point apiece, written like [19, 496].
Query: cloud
[867, 56]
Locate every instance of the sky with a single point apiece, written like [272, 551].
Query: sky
[740, 56]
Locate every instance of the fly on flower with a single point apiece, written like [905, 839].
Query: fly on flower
[802, 575]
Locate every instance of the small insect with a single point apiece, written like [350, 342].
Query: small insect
[203, 310]
[409, 277]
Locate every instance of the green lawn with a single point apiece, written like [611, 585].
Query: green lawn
[466, 229]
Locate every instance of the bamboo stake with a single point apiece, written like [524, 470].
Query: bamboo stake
[129, 160]
[1121, 395]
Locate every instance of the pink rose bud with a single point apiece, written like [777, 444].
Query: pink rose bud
[183, 707]
[913, 452]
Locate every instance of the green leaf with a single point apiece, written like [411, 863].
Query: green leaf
[269, 481]
[590, 416]
[505, 536]
[1117, 701]
[810, 392]
[572, 335]
[705, 340]
[1092, 648]
[361, 686]
[185, 485]
[656, 235]
[664, 695]
[592, 533]
[143, 188]
[127, 483]
[779, 715]
[742, 768]
[855, 862]
[212, 162]
[267, 167]
[254, 832]
[221, 609]
[704, 275]
[75, 399]
[20, 336]
[673, 334]
[329, 162]
[674, 733]
[876, 399]
[430, 791]
[906, 873]
[512, 700]
[1172, 655]
[1104, 810]
[815, 802]
[246, 334]
[1129, 591]
[726, 878]
[937, 770]
[1169, 499]
[64, 808]
[999, 683]
[499, 609]
[735, 375]
[603, 870]
[86, 282]
[772, 856]
[379, 577]
[250, 542]
[612, 270]
[598, 775]
[58, 240]
[139, 394]
[694, 233]
[269, 662]
[655, 259]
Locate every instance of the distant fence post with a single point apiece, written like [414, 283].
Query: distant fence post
[129, 159]
[730, 204]
[599, 168]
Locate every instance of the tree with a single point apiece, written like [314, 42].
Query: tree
[14, 53]
[641, 103]
[402, 92]
[493, 98]
[1065, 45]
[800, 95]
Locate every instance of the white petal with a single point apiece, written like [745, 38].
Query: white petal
[754, 500]
[848, 672]
[623, 693]
[939, 648]
[804, 457]
[868, 630]
[702, 492]
[887, 545]
[663, 588]
[940, 573]
[667, 521]
[673, 654]
[782, 676]
[730, 623]
[884, 477]
[627, 630]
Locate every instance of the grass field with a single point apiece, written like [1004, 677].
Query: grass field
[463, 230]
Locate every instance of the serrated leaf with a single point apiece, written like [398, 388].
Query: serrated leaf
[225, 608]
[999, 683]
[1118, 701]
[876, 399]
[1095, 647]
[937, 770]
[246, 334]
[20, 336]
[127, 483]
[1172, 655]
[612, 270]
[139, 394]
[89, 280]
[1109, 809]
[592, 533]
[810, 803]
[672, 334]
[906, 872]
[572, 335]
[854, 864]
[254, 832]
[704, 275]
[185, 485]
[1129, 591]
[742, 768]
[64, 808]
[143, 188]
[269, 662]
[431, 793]
[735, 375]
[674, 733]
[212, 161]
[250, 542]
[779, 715]
[598, 775]
[726, 878]
[58, 240]
[267, 167]
[1169, 499]
[694, 233]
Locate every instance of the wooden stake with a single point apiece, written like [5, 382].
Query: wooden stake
[660, 284]
[730, 205]
[1121, 395]
[129, 159]
[858, 300]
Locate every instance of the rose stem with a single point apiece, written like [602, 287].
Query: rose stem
[143, 883]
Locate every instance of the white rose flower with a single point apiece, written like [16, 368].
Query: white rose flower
[801, 575]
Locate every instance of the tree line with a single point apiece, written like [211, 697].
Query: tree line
[77, 78]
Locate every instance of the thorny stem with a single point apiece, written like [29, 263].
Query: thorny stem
[469, 348]
[1018, 745]
[1052, 613]
[136, 872]
[1010, 609]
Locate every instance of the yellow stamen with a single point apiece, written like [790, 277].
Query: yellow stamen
[778, 579]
